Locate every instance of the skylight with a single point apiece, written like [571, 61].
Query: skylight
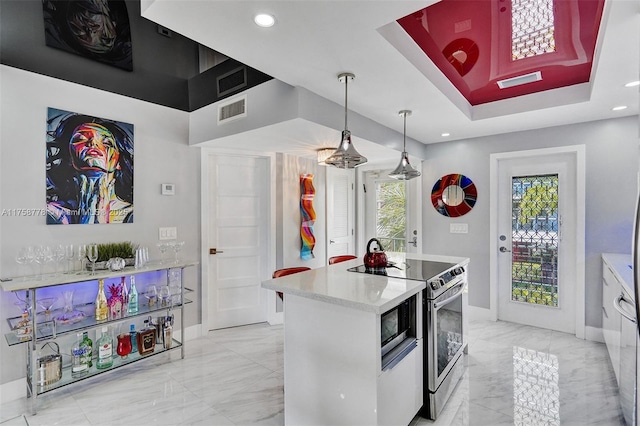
[532, 29]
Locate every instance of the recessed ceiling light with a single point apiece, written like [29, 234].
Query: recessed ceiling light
[619, 108]
[264, 20]
[633, 83]
[445, 134]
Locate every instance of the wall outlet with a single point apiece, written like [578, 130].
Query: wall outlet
[458, 228]
[170, 233]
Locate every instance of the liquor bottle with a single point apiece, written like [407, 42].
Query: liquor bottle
[88, 344]
[79, 367]
[105, 350]
[133, 297]
[167, 333]
[146, 339]
[134, 338]
[125, 296]
[102, 310]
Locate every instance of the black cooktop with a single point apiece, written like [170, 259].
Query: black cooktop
[410, 269]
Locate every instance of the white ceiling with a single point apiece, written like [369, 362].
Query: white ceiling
[313, 41]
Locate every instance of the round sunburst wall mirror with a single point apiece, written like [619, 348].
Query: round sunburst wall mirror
[454, 195]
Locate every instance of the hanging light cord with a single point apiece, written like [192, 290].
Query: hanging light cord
[346, 81]
[404, 133]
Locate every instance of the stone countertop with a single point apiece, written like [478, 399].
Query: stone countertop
[622, 267]
[373, 293]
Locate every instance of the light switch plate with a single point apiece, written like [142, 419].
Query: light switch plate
[458, 228]
[170, 233]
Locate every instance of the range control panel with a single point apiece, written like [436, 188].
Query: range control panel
[439, 284]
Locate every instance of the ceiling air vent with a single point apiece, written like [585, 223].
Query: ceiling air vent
[232, 109]
[232, 81]
[519, 80]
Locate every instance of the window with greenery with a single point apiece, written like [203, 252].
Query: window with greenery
[391, 215]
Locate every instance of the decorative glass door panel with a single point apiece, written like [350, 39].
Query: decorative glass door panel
[535, 237]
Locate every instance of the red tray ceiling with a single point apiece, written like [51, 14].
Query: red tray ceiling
[470, 41]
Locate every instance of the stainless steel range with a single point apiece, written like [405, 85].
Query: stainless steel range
[445, 324]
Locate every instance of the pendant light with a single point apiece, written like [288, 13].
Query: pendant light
[404, 171]
[345, 156]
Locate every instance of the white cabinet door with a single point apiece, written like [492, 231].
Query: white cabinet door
[611, 319]
[400, 390]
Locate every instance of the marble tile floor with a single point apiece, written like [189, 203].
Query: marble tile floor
[517, 375]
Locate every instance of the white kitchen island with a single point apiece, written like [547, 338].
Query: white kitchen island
[332, 357]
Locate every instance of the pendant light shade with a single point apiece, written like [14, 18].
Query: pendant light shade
[404, 171]
[346, 156]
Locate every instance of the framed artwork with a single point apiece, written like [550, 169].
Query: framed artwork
[454, 195]
[89, 169]
[307, 192]
[95, 29]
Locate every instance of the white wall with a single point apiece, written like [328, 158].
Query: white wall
[161, 155]
[611, 176]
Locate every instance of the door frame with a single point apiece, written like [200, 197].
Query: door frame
[205, 153]
[414, 196]
[578, 154]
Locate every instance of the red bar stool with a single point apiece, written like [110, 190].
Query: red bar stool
[288, 271]
[341, 258]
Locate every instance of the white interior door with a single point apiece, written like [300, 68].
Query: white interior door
[537, 266]
[238, 220]
[340, 211]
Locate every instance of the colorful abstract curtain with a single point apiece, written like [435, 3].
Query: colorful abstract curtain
[308, 214]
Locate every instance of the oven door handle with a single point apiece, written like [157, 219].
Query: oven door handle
[462, 285]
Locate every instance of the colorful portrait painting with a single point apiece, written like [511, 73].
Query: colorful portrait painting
[95, 29]
[89, 169]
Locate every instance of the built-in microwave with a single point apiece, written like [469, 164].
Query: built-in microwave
[396, 326]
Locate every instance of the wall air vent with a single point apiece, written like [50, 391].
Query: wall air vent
[231, 81]
[232, 109]
[519, 80]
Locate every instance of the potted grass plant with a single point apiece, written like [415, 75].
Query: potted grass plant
[125, 250]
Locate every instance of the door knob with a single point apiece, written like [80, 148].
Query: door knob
[504, 250]
[331, 242]
[414, 242]
[215, 251]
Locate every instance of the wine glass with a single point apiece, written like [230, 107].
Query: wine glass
[21, 259]
[177, 246]
[46, 303]
[40, 258]
[163, 247]
[59, 256]
[69, 255]
[30, 254]
[48, 255]
[81, 255]
[165, 295]
[92, 253]
[151, 295]
[24, 302]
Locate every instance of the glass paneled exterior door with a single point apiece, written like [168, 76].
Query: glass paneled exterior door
[535, 237]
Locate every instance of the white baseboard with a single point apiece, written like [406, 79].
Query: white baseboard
[479, 314]
[594, 334]
[17, 389]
